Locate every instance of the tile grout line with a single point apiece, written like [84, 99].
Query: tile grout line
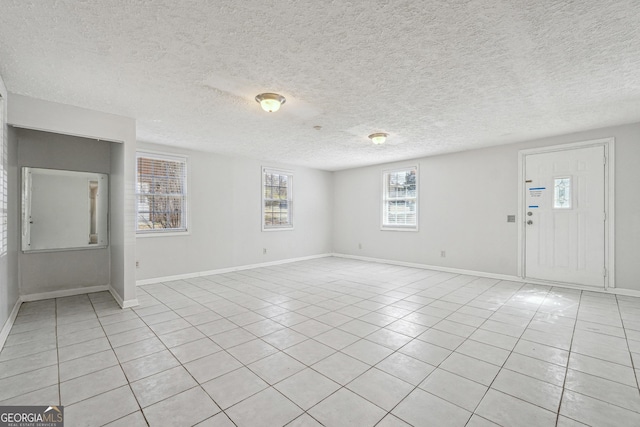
[606, 379]
[438, 366]
[309, 367]
[272, 386]
[624, 330]
[231, 355]
[58, 353]
[510, 353]
[410, 312]
[566, 370]
[123, 373]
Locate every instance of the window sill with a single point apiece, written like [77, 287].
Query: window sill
[162, 234]
[277, 229]
[387, 228]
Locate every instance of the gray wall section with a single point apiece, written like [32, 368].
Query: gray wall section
[13, 218]
[464, 201]
[32, 113]
[225, 228]
[60, 270]
[627, 206]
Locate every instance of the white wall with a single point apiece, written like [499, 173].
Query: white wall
[62, 270]
[36, 114]
[225, 218]
[9, 292]
[122, 238]
[464, 202]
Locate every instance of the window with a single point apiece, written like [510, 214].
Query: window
[400, 199]
[562, 193]
[161, 193]
[277, 200]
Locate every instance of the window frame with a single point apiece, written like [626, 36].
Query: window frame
[384, 197]
[289, 174]
[171, 157]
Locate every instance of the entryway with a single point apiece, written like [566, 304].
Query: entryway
[566, 206]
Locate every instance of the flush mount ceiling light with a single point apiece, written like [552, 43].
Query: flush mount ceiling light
[270, 101]
[378, 138]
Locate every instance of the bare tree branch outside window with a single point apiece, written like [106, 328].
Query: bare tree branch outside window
[161, 193]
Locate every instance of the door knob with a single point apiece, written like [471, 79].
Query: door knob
[529, 222]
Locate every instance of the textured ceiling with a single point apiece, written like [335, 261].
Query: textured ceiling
[438, 76]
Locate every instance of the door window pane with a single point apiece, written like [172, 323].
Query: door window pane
[562, 193]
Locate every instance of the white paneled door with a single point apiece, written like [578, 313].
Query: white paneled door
[565, 216]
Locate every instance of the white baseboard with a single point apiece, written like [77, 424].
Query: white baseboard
[623, 292]
[432, 267]
[616, 291]
[123, 303]
[80, 291]
[4, 333]
[227, 270]
[63, 293]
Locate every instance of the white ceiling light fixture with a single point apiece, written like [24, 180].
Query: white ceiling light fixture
[270, 102]
[378, 137]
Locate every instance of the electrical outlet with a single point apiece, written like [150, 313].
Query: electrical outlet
[359, 245]
[137, 264]
[264, 251]
[443, 254]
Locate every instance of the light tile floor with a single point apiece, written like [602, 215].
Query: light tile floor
[331, 342]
